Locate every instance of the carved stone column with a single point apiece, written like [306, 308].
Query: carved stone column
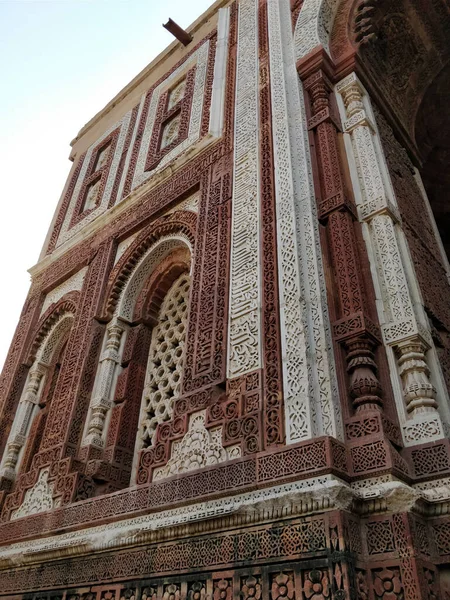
[101, 401]
[354, 330]
[22, 421]
[414, 371]
[402, 330]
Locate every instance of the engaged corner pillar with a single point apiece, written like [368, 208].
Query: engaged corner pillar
[404, 329]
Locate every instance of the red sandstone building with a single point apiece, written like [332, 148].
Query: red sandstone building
[230, 379]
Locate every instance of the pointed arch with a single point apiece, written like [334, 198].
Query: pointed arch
[52, 333]
[339, 26]
[136, 291]
[314, 25]
[149, 301]
[181, 224]
[67, 305]
[155, 254]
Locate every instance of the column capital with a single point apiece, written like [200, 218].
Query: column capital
[396, 332]
[351, 82]
[352, 94]
[358, 118]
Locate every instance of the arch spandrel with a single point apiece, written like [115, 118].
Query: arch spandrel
[66, 305]
[180, 223]
[157, 252]
[314, 25]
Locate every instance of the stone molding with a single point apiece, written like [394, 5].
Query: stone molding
[311, 496]
[319, 457]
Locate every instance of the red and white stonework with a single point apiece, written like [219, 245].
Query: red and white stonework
[230, 379]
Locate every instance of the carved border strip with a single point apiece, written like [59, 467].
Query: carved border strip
[306, 537]
[273, 409]
[318, 457]
[244, 333]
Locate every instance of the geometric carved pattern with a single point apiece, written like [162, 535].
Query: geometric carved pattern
[387, 584]
[305, 536]
[441, 532]
[96, 182]
[310, 458]
[147, 153]
[380, 537]
[273, 376]
[172, 123]
[205, 359]
[428, 460]
[164, 370]
[369, 457]
[317, 585]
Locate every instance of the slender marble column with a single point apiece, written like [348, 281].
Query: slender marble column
[22, 421]
[101, 402]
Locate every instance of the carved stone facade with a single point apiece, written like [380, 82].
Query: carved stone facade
[230, 379]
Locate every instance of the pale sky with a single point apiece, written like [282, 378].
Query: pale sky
[61, 61]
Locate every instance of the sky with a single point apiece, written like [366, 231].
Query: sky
[61, 61]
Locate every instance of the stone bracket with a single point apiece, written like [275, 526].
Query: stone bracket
[338, 201]
[379, 206]
[354, 325]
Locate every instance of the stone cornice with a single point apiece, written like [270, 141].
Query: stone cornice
[292, 500]
[260, 506]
